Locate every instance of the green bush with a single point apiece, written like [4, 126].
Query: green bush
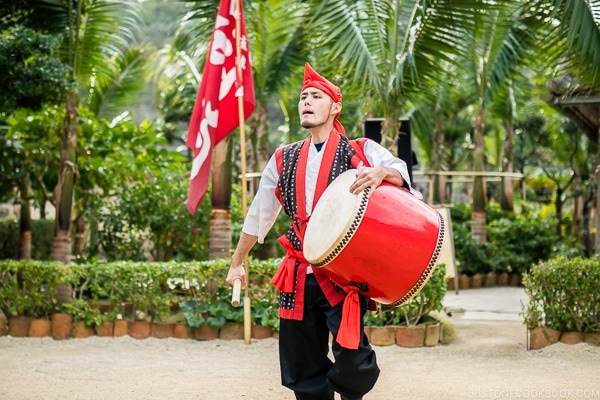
[136, 290]
[515, 242]
[519, 242]
[27, 288]
[428, 300]
[564, 294]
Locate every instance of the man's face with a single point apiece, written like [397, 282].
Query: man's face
[316, 108]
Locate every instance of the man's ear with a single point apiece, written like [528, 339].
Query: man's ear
[336, 108]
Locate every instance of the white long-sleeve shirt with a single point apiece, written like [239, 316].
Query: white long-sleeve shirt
[266, 207]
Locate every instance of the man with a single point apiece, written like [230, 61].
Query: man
[310, 305]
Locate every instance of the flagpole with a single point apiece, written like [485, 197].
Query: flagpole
[238, 50]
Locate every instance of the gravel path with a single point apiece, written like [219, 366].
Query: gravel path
[488, 359]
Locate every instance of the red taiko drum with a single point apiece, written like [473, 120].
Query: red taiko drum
[386, 245]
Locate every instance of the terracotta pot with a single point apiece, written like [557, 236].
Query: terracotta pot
[490, 279]
[411, 336]
[61, 325]
[502, 279]
[39, 328]
[450, 284]
[120, 328]
[381, 335]
[593, 339]
[18, 326]
[140, 329]
[205, 332]
[432, 334]
[3, 324]
[571, 337]
[465, 281]
[126, 309]
[232, 331]
[541, 336]
[182, 331]
[105, 329]
[477, 281]
[162, 330]
[515, 279]
[261, 332]
[82, 331]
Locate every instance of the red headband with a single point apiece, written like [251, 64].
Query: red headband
[314, 80]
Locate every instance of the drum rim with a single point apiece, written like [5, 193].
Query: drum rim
[424, 278]
[331, 254]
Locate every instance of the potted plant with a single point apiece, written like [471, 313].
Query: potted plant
[204, 318]
[563, 297]
[86, 317]
[409, 322]
[28, 293]
[265, 318]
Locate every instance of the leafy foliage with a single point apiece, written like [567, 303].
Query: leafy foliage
[515, 241]
[428, 299]
[27, 288]
[564, 294]
[31, 75]
[192, 292]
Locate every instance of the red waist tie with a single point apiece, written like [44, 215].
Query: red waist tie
[285, 277]
[349, 332]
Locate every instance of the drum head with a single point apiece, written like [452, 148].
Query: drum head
[334, 220]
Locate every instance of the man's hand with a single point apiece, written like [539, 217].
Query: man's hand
[236, 271]
[372, 177]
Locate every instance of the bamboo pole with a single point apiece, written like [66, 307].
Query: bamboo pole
[238, 56]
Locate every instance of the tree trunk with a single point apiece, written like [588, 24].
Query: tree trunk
[578, 206]
[506, 194]
[479, 191]
[558, 204]
[263, 147]
[61, 246]
[79, 237]
[25, 220]
[597, 233]
[220, 234]
[220, 217]
[439, 181]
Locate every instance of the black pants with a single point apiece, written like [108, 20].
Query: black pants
[303, 352]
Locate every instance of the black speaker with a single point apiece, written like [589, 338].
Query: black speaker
[372, 130]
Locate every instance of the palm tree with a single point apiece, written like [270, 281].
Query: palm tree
[98, 35]
[500, 44]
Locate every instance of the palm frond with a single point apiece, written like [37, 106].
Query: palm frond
[581, 22]
[121, 90]
[109, 28]
[350, 32]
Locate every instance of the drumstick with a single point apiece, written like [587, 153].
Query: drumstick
[235, 295]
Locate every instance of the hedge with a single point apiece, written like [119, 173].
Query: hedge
[193, 292]
[564, 294]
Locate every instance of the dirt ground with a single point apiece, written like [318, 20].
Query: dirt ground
[488, 359]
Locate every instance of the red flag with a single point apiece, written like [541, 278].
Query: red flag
[216, 113]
